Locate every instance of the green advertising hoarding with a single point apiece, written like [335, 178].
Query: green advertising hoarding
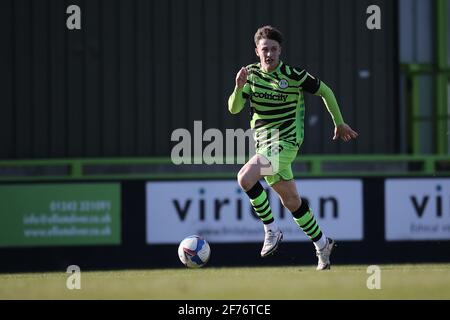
[59, 214]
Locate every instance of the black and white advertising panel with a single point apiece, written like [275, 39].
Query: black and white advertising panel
[417, 209]
[221, 212]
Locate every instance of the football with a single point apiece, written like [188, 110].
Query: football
[194, 251]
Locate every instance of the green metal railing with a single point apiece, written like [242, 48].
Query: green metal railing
[442, 77]
[440, 116]
[150, 168]
[440, 73]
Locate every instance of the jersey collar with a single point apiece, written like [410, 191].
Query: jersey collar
[280, 63]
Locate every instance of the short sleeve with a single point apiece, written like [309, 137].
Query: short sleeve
[310, 83]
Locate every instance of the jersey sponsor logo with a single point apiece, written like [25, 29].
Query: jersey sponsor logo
[270, 96]
[283, 84]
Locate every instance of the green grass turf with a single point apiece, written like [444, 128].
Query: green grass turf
[421, 281]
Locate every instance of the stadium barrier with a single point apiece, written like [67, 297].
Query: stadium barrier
[137, 222]
[163, 168]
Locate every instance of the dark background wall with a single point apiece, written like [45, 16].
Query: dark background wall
[139, 69]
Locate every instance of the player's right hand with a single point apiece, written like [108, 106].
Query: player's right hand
[241, 78]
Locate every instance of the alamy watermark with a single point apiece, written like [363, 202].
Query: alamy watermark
[374, 20]
[73, 21]
[235, 146]
[231, 149]
[374, 280]
[74, 280]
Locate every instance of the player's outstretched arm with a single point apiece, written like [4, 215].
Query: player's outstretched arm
[341, 129]
[236, 101]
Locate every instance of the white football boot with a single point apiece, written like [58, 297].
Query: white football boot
[324, 255]
[272, 240]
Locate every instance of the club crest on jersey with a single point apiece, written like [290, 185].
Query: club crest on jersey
[283, 84]
[274, 150]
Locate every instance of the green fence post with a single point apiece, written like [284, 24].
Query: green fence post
[316, 166]
[441, 79]
[415, 111]
[429, 167]
[76, 170]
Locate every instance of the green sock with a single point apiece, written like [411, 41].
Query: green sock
[260, 203]
[304, 218]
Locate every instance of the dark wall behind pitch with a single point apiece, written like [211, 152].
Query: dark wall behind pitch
[139, 69]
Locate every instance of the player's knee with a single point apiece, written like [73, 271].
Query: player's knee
[243, 180]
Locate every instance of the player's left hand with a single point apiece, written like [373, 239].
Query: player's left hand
[344, 132]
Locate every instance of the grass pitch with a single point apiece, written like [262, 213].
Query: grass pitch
[423, 281]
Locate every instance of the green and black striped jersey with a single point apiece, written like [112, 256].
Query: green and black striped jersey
[277, 103]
